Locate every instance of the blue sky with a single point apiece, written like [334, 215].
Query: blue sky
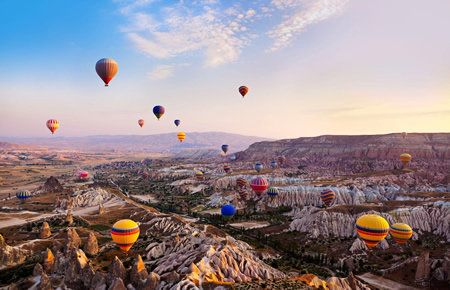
[312, 67]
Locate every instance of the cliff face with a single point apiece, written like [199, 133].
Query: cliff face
[389, 146]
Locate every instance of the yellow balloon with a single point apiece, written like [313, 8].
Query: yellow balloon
[405, 158]
[372, 229]
[401, 233]
[181, 136]
[125, 233]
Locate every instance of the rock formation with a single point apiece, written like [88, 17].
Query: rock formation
[52, 185]
[45, 231]
[69, 218]
[69, 203]
[49, 260]
[423, 269]
[117, 270]
[37, 271]
[44, 283]
[11, 256]
[151, 282]
[117, 284]
[101, 209]
[91, 245]
[138, 271]
[72, 239]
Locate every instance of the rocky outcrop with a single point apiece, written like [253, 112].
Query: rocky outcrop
[11, 256]
[350, 282]
[91, 197]
[45, 231]
[52, 185]
[138, 271]
[117, 284]
[49, 260]
[44, 283]
[117, 270]
[423, 269]
[72, 239]
[69, 218]
[151, 282]
[101, 209]
[37, 271]
[91, 245]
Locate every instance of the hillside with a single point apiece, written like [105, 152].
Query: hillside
[388, 146]
[160, 143]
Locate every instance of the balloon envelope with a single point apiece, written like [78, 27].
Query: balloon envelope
[81, 174]
[273, 164]
[106, 69]
[405, 158]
[227, 168]
[243, 90]
[225, 148]
[52, 125]
[23, 194]
[177, 122]
[232, 157]
[241, 182]
[228, 210]
[327, 196]
[158, 111]
[372, 229]
[258, 167]
[181, 136]
[259, 185]
[141, 122]
[401, 233]
[199, 175]
[243, 193]
[125, 233]
[272, 192]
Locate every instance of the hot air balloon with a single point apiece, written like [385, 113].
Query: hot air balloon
[125, 233]
[258, 167]
[273, 164]
[225, 148]
[227, 168]
[272, 192]
[144, 175]
[281, 160]
[404, 134]
[52, 125]
[199, 175]
[81, 174]
[243, 193]
[372, 229]
[327, 196]
[243, 90]
[259, 185]
[401, 233]
[141, 122]
[177, 122]
[158, 111]
[232, 157]
[241, 182]
[405, 158]
[23, 194]
[181, 136]
[228, 211]
[106, 69]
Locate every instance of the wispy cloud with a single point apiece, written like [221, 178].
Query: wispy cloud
[313, 11]
[165, 71]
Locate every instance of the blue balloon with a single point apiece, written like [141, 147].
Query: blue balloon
[225, 148]
[273, 164]
[228, 210]
[258, 167]
[177, 122]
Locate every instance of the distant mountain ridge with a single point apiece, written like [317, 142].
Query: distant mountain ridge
[386, 146]
[158, 143]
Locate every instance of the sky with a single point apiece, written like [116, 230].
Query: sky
[313, 67]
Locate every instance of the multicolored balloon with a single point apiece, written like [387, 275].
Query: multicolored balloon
[273, 164]
[243, 90]
[228, 211]
[52, 125]
[177, 122]
[125, 233]
[259, 185]
[227, 168]
[158, 111]
[106, 69]
[401, 233]
[199, 175]
[405, 158]
[241, 182]
[141, 122]
[281, 160]
[258, 167]
[225, 148]
[232, 157]
[181, 136]
[327, 196]
[372, 229]
[81, 174]
[243, 193]
[23, 194]
[272, 192]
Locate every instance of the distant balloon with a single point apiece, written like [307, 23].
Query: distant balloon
[281, 160]
[232, 157]
[405, 158]
[273, 164]
[404, 134]
[144, 175]
[243, 90]
[23, 194]
[177, 122]
[259, 185]
[327, 196]
[199, 175]
[228, 211]
[158, 111]
[258, 167]
[401, 233]
[181, 136]
[241, 182]
[225, 148]
[243, 193]
[272, 192]
[141, 122]
[81, 174]
[372, 229]
[227, 168]
[125, 233]
[106, 69]
[52, 125]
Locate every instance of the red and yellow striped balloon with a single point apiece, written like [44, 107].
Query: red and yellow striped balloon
[181, 136]
[52, 125]
[405, 158]
[401, 233]
[372, 229]
[106, 69]
[125, 233]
